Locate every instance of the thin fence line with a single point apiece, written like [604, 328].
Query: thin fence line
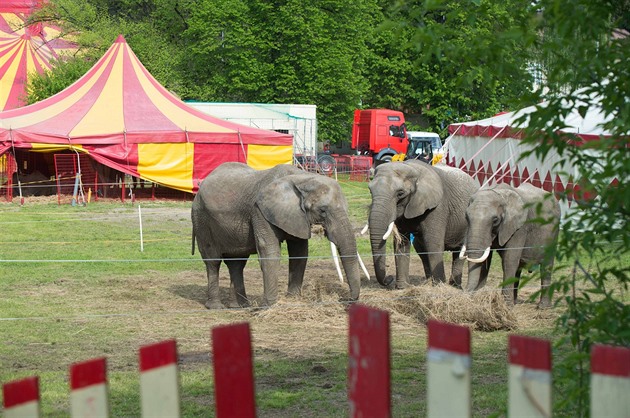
[253, 257]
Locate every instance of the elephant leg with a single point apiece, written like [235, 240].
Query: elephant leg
[517, 282]
[401, 257]
[212, 269]
[510, 258]
[436, 261]
[545, 282]
[298, 256]
[422, 253]
[236, 267]
[268, 248]
[457, 267]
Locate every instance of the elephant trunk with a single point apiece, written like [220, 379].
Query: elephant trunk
[381, 215]
[343, 238]
[476, 250]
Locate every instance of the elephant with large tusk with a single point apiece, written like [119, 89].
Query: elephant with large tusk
[239, 211]
[426, 201]
[508, 220]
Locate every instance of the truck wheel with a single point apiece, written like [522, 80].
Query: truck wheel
[384, 159]
[326, 164]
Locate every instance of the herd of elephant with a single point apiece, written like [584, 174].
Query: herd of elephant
[239, 211]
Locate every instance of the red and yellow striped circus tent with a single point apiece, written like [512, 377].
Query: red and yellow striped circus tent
[25, 49]
[120, 116]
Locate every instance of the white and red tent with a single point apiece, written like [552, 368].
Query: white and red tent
[491, 149]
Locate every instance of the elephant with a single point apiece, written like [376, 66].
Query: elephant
[426, 201]
[509, 220]
[239, 211]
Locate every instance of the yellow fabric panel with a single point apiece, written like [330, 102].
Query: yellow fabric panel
[36, 146]
[109, 102]
[262, 157]
[168, 164]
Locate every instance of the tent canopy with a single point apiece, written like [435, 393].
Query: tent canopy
[491, 150]
[123, 118]
[25, 49]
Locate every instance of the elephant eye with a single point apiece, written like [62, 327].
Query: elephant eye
[495, 220]
[400, 194]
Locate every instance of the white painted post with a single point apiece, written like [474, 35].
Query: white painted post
[20, 398]
[140, 221]
[88, 385]
[159, 380]
[610, 381]
[448, 370]
[529, 377]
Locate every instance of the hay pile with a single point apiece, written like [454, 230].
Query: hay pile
[485, 310]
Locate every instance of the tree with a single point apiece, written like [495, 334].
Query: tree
[583, 65]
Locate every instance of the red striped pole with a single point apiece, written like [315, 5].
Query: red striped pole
[233, 371]
[610, 381]
[369, 362]
[448, 370]
[88, 385]
[20, 398]
[530, 382]
[159, 380]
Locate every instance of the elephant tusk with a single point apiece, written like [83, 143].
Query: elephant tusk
[390, 228]
[363, 266]
[462, 253]
[333, 249]
[480, 259]
[365, 229]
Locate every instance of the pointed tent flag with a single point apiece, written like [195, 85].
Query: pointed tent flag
[25, 49]
[123, 118]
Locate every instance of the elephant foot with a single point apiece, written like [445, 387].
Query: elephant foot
[214, 304]
[544, 304]
[389, 282]
[401, 284]
[455, 284]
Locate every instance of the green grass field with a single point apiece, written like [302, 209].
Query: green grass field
[75, 285]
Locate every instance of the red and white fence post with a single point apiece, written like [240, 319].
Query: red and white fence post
[610, 381]
[530, 382]
[233, 371]
[448, 370]
[21, 398]
[369, 362]
[88, 389]
[159, 380]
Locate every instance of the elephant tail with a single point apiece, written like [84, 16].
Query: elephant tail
[193, 241]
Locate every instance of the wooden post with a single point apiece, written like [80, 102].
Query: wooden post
[88, 385]
[233, 371]
[159, 380]
[20, 398]
[448, 370]
[529, 377]
[369, 384]
[610, 381]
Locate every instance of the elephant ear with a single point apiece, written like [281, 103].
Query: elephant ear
[426, 192]
[281, 205]
[514, 215]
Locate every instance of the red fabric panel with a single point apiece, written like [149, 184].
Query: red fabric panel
[210, 156]
[119, 157]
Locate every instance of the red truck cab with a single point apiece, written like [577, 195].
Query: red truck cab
[380, 133]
